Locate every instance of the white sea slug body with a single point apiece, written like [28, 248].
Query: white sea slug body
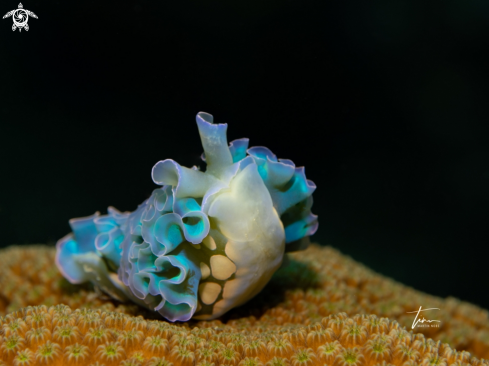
[204, 242]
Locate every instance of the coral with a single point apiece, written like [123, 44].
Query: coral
[294, 345]
[316, 283]
[204, 242]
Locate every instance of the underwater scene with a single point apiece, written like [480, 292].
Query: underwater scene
[245, 183]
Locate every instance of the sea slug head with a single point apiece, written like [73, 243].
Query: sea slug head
[206, 241]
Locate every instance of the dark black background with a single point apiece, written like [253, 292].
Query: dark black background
[385, 102]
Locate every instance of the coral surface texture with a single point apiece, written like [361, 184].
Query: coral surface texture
[320, 308]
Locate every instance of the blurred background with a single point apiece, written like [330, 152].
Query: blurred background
[384, 102]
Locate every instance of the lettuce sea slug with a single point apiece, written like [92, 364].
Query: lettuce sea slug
[204, 242]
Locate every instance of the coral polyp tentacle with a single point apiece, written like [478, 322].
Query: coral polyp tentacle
[205, 241]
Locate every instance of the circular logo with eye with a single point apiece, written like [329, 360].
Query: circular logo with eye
[20, 17]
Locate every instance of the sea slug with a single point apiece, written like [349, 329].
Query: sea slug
[204, 242]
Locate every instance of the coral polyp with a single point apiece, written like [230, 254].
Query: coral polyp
[204, 242]
[165, 344]
[316, 283]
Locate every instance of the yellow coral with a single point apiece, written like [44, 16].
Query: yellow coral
[315, 284]
[122, 343]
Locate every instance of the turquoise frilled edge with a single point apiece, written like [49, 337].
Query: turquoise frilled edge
[202, 243]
